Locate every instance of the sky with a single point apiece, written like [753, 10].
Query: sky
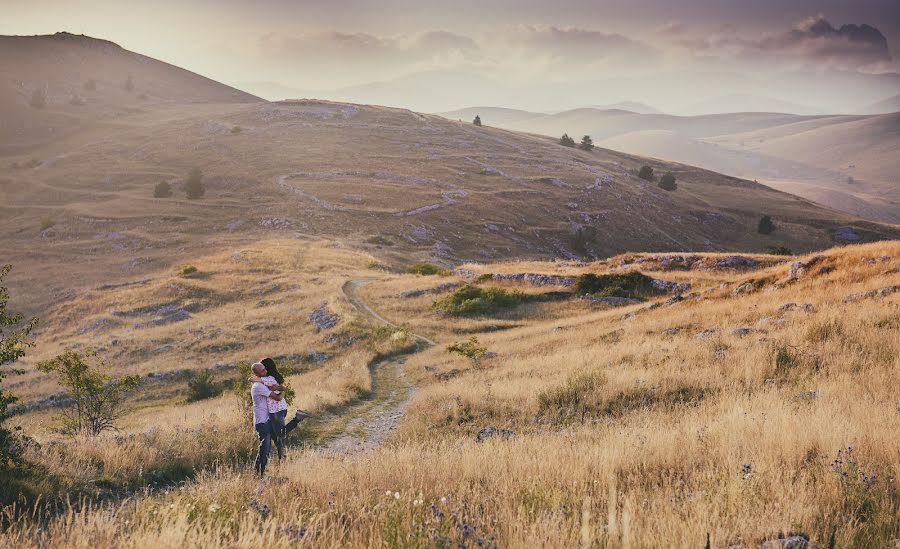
[682, 56]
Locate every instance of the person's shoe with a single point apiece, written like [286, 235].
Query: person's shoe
[301, 415]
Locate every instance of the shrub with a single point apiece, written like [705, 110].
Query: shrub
[667, 182]
[471, 300]
[236, 130]
[765, 225]
[633, 284]
[780, 250]
[646, 173]
[46, 223]
[13, 343]
[471, 349]
[76, 100]
[587, 144]
[477, 120]
[202, 386]
[97, 400]
[424, 268]
[188, 270]
[90, 84]
[193, 187]
[162, 190]
[566, 141]
[38, 99]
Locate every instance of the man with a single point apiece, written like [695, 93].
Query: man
[261, 395]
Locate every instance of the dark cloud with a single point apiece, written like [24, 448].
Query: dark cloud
[814, 42]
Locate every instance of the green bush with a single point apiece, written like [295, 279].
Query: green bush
[471, 349]
[188, 270]
[566, 141]
[477, 120]
[424, 268]
[13, 343]
[667, 182]
[633, 284]
[162, 190]
[646, 173]
[236, 130]
[202, 386]
[193, 187]
[780, 250]
[765, 225]
[471, 300]
[587, 144]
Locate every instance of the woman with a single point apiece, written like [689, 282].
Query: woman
[278, 408]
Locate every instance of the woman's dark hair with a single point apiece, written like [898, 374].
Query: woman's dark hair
[272, 369]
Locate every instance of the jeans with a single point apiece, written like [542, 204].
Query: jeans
[279, 429]
[264, 432]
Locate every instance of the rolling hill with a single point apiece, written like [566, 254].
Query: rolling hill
[85, 81]
[812, 156]
[401, 184]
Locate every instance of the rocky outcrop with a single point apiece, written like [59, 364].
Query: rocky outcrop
[535, 279]
[615, 301]
[322, 318]
[800, 268]
[491, 432]
[440, 288]
[880, 292]
[805, 307]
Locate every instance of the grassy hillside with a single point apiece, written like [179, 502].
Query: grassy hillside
[759, 406]
[83, 82]
[811, 156]
[402, 185]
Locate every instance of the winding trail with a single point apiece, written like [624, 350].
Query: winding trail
[364, 424]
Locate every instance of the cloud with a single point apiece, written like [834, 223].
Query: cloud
[813, 42]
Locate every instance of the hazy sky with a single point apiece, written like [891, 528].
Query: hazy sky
[522, 53]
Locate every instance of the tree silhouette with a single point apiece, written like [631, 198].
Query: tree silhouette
[587, 144]
[667, 182]
[477, 120]
[566, 141]
[194, 184]
[765, 225]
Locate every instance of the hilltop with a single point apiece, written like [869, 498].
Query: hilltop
[84, 81]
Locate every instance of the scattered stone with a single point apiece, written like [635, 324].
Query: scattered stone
[489, 432]
[440, 288]
[316, 356]
[744, 288]
[175, 316]
[845, 234]
[465, 273]
[799, 268]
[707, 333]
[322, 318]
[826, 269]
[275, 223]
[800, 541]
[805, 307]
[806, 396]
[674, 299]
[875, 260]
[615, 301]
[672, 287]
[535, 279]
[672, 331]
[96, 325]
[155, 309]
[881, 292]
[742, 331]
[174, 374]
[735, 262]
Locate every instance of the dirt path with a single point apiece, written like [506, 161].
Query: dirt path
[364, 425]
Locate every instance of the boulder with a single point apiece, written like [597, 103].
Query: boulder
[880, 292]
[742, 331]
[744, 288]
[490, 432]
[800, 541]
[805, 307]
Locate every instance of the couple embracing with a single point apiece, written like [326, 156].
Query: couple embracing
[270, 411]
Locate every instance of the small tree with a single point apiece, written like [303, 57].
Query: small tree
[477, 120]
[13, 343]
[202, 386]
[97, 400]
[587, 144]
[129, 84]
[471, 349]
[780, 250]
[38, 99]
[90, 84]
[566, 141]
[162, 190]
[765, 225]
[193, 187]
[646, 173]
[667, 182]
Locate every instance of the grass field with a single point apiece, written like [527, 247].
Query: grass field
[730, 415]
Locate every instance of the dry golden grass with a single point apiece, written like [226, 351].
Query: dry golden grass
[628, 434]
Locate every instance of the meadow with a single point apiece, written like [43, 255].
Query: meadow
[740, 414]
